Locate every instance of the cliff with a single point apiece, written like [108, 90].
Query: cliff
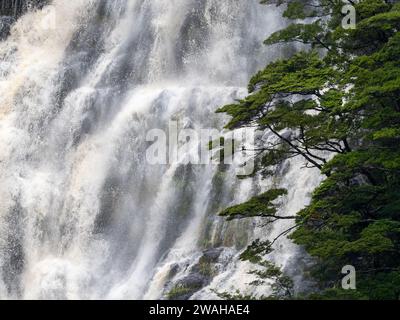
[10, 10]
[14, 8]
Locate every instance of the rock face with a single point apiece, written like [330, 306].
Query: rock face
[14, 8]
[200, 275]
[10, 10]
[5, 26]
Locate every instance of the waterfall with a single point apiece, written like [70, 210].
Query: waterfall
[83, 215]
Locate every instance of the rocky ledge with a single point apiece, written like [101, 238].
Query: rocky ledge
[10, 10]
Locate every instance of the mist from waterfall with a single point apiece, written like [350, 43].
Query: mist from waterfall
[83, 215]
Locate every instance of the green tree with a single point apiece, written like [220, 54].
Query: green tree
[337, 105]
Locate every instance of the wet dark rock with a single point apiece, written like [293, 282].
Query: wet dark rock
[193, 281]
[201, 275]
[10, 10]
[5, 26]
[173, 271]
[212, 255]
[15, 8]
[187, 286]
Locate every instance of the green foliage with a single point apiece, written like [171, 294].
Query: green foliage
[299, 32]
[233, 296]
[282, 285]
[180, 291]
[266, 273]
[336, 105]
[255, 252]
[261, 205]
[206, 268]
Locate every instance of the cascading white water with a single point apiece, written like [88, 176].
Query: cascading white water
[83, 215]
